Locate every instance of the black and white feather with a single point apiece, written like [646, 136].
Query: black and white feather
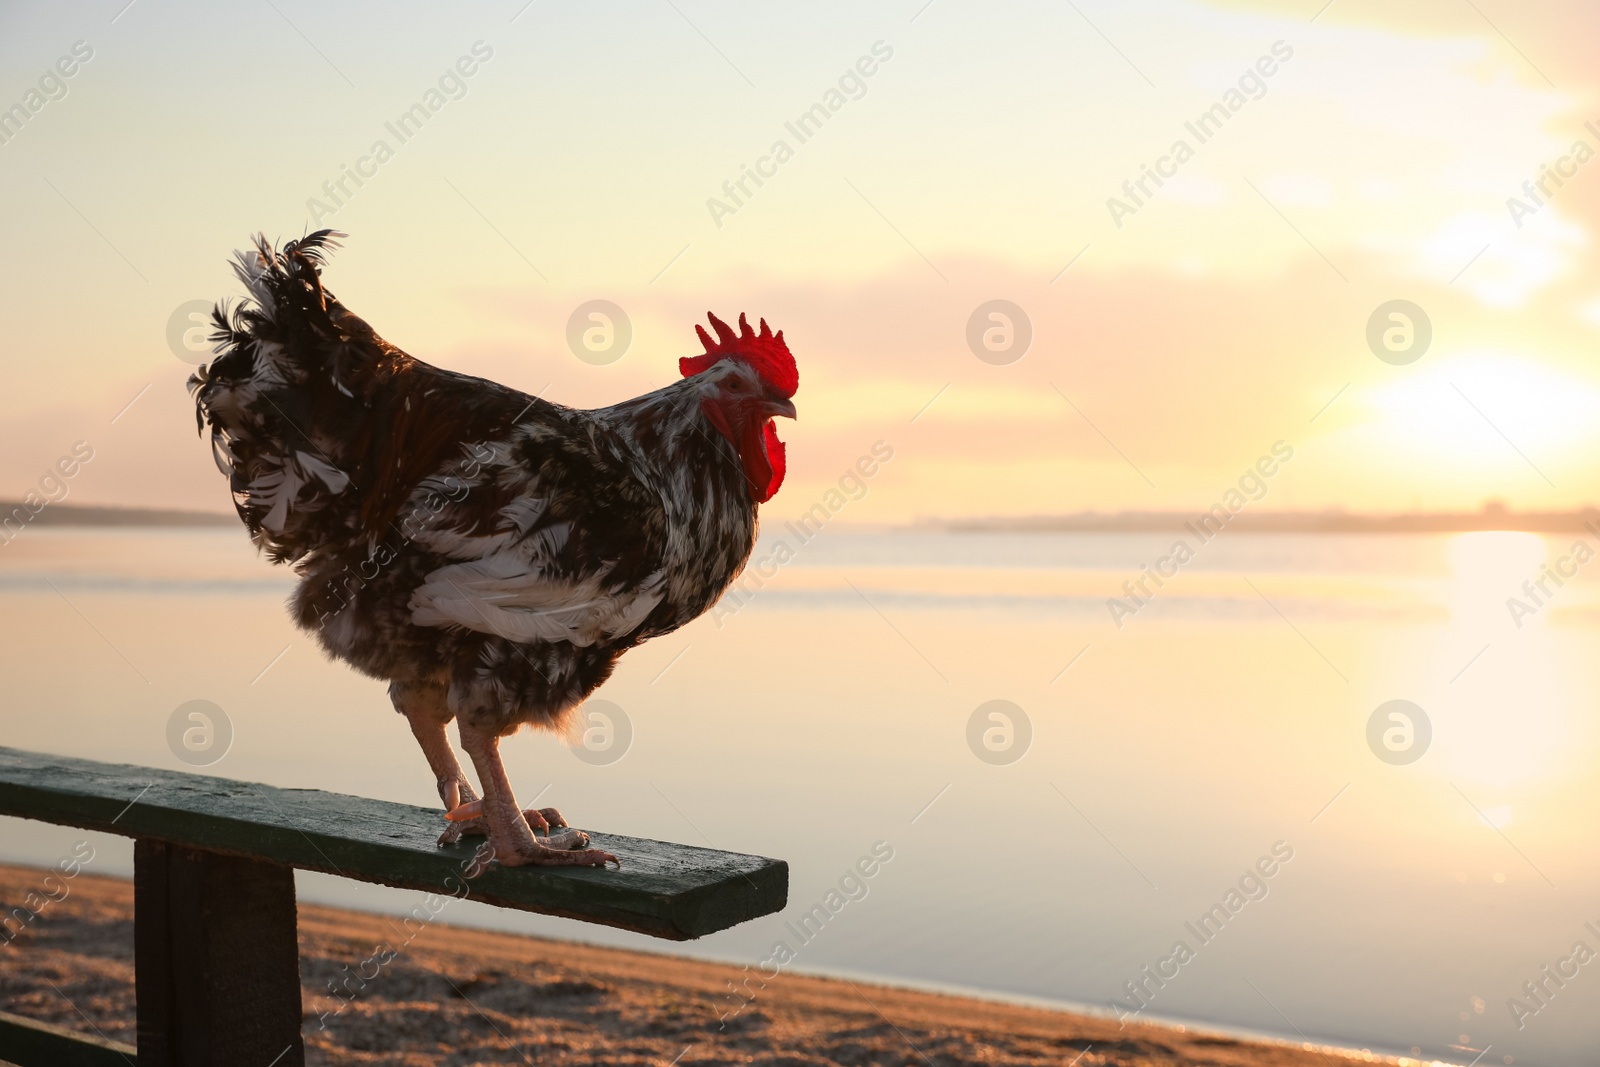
[453, 534]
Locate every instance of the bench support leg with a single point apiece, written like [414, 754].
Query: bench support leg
[216, 959]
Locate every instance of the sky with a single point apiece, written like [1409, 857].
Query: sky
[1179, 332]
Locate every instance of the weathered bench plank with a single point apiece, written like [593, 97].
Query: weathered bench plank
[28, 1042]
[665, 890]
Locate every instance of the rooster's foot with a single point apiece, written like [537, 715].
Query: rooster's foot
[560, 855]
[466, 820]
[539, 819]
[510, 839]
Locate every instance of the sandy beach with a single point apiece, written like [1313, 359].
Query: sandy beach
[462, 997]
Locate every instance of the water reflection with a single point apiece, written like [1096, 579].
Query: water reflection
[813, 723]
[1509, 714]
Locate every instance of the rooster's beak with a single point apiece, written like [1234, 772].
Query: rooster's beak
[779, 407]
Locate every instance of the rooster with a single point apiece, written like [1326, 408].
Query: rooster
[487, 553]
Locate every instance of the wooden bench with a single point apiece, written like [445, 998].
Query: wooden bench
[217, 968]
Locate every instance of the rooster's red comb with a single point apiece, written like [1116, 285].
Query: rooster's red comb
[764, 351]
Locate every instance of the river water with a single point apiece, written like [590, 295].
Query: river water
[1202, 775]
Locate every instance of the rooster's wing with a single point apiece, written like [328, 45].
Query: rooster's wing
[574, 553]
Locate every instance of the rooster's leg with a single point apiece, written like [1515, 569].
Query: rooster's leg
[428, 714]
[513, 842]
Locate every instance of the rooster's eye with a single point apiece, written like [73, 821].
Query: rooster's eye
[735, 385]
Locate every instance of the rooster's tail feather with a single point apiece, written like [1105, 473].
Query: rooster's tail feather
[282, 396]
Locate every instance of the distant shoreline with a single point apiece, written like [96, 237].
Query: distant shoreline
[1280, 522]
[1081, 522]
[97, 515]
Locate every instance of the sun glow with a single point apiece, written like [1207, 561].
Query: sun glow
[1476, 407]
[1538, 406]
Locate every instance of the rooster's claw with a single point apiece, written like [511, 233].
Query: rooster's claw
[472, 809]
